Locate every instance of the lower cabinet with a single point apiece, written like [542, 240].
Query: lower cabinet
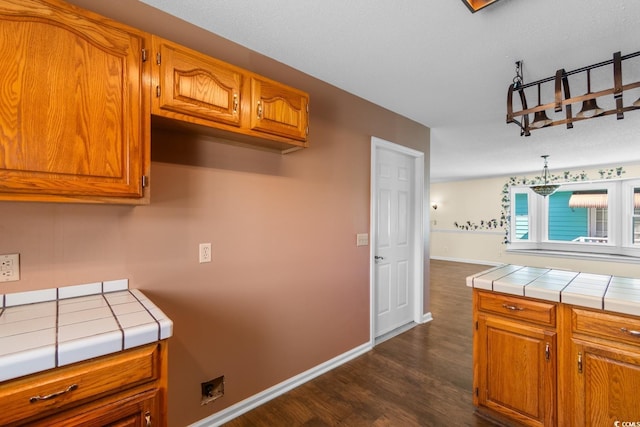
[138, 410]
[128, 388]
[514, 360]
[603, 364]
[550, 364]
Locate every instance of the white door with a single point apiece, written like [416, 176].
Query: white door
[394, 242]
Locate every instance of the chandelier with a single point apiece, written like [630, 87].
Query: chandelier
[563, 98]
[545, 189]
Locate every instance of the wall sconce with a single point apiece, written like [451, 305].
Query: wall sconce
[563, 98]
[434, 205]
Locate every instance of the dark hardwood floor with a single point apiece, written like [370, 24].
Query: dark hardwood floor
[422, 377]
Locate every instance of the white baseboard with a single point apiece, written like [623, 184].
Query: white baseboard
[227, 414]
[426, 318]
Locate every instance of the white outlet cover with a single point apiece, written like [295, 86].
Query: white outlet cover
[9, 267]
[204, 252]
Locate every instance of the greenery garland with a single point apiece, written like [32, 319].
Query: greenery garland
[505, 217]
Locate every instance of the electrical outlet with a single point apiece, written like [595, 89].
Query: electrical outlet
[9, 268]
[205, 252]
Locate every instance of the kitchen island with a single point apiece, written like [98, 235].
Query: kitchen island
[555, 347]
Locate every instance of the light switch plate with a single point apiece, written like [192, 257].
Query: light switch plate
[9, 267]
[362, 239]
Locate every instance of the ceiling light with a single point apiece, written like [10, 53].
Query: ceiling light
[540, 118]
[562, 97]
[589, 107]
[545, 189]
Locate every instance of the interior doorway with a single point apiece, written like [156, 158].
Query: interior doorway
[397, 239]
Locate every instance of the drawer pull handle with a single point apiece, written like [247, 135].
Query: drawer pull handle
[512, 307]
[631, 332]
[35, 399]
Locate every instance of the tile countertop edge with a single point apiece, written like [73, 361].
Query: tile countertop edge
[592, 294]
[141, 323]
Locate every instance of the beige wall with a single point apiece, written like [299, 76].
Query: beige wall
[480, 199]
[287, 289]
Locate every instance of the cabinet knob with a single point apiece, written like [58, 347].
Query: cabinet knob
[579, 362]
[547, 352]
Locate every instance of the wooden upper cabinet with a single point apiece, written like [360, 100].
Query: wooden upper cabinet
[202, 94]
[279, 109]
[74, 112]
[190, 85]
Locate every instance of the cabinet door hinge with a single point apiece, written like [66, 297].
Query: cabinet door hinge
[477, 392]
[144, 55]
[476, 325]
[158, 58]
[145, 181]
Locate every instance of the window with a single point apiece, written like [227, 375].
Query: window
[635, 217]
[593, 217]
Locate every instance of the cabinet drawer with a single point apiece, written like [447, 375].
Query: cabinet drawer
[517, 308]
[606, 325]
[40, 394]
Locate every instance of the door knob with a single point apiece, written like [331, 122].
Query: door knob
[378, 257]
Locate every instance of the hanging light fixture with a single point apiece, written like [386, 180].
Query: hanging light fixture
[545, 189]
[563, 98]
[589, 107]
[540, 118]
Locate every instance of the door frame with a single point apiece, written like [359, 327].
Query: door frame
[418, 229]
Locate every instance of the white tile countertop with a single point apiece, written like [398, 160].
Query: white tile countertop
[600, 291]
[45, 329]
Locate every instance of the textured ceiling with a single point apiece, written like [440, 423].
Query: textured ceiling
[442, 66]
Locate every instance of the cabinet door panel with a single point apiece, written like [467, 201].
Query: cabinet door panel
[278, 109]
[193, 84]
[608, 384]
[72, 116]
[517, 375]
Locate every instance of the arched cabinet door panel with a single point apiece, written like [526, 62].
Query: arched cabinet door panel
[279, 109]
[74, 112]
